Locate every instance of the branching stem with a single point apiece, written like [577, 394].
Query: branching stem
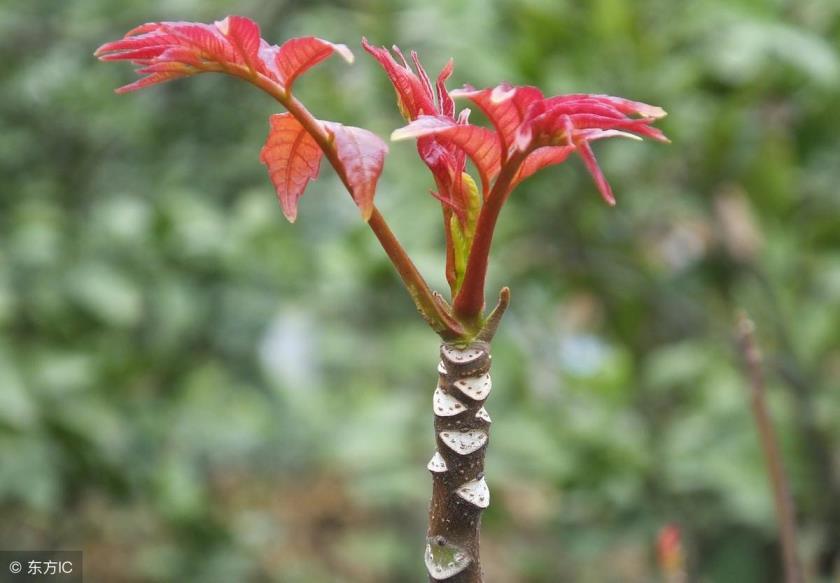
[785, 512]
[430, 305]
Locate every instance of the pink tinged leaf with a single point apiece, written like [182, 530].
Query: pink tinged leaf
[445, 104]
[581, 106]
[540, 158]
[551, 155]
[143, 29]
[651, 132]
[152, 79]
[151, 37]
[190, 43]
[180, 69]
[297, 55]
[643, 109]
[446, 162]
[268, 58]
[566, 123]
[591, 163]
[411, 96]
[292, 158]
[362, 156]
[506, 107]
[207, 39]
[130, 54]
[244, 35]
[625, 106]
[446, 168]
[591, 135]
[638, 126]
[451, 205]
[231, 45]
[590, 120]
[424, 77]
[439, 160]
[480, 144]
[400, 54]
[186, 56]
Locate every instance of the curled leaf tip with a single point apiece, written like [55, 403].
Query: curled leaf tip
[403, 133]
[463, 91]
[653, 111]
[223, 25]
[501, 93]
[345, 53]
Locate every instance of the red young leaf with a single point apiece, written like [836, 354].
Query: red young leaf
[625, 106]
[153, 77]
[480, 144]
[232, 45]
[413, 95]
[576, 106]
[590, 135]
[639, 126]
[292, 158]
[446, 167]
[362, 155]
[506, 108]
[445, 103]
[585, 151]
[550, 155]
[296, 55]
[564, 117]
[540, 158]
[424, 77]
[588, 156]
[207, 41]
[559, 125]
[244, 35]
[416, 97]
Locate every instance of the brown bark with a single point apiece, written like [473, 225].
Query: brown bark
[785, 511]
[459, 494]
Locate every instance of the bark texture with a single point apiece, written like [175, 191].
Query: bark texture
[460, 493]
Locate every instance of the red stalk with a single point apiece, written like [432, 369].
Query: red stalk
[469, 303]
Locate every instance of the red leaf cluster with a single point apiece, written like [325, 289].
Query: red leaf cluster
[548, 130]
[529, 132]
[292, 153]
[443, 141]
[170, 50]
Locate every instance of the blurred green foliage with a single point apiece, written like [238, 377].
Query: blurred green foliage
[192, 389]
